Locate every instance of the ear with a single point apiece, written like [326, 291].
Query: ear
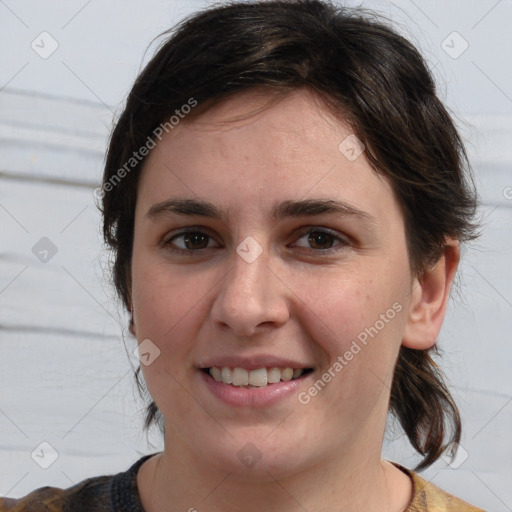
[429, 297]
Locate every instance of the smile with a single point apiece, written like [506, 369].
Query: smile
[258, 378]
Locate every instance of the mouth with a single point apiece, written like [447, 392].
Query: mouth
[257, 378]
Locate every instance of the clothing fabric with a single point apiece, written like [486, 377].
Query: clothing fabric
[119, 493]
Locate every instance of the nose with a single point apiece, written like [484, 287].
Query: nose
[252, 297]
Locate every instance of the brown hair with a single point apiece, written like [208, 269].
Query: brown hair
[366, 74]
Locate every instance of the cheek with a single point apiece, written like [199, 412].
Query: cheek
[162, 298]
[167, 305]
[166, 308]
[357, 323]
[340, 305]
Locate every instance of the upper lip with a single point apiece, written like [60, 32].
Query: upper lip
[253, 362]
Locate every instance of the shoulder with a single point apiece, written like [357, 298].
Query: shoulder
[427, 497]
[92, 494]
[107, 493]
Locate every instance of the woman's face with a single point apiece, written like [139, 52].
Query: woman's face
[295, 257]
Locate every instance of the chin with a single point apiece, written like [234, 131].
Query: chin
[255, 457]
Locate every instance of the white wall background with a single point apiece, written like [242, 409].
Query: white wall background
[65, 377]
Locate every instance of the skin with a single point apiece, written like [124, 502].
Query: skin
[299, 299]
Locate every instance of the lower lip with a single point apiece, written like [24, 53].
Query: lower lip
[240, 396]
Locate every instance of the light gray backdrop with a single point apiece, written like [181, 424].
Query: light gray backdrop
[65, 378]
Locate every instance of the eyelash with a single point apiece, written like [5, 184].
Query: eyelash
[343, 242]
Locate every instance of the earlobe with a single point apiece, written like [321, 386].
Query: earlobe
[429, 298]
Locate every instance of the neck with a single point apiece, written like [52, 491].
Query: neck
[175, 481]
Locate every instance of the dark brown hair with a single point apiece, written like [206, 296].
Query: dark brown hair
[366, 74]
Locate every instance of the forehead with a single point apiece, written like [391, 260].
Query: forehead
[253, 151]
[298, 116]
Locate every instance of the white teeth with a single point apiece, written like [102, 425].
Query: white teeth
[287, 374]
[240, 377]
[273, 375]
[258, 377]
[254, 378]
[216, 374]
[227, 377]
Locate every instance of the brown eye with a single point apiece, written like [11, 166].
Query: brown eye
[188, 241]
[195, 240]
[321, 240]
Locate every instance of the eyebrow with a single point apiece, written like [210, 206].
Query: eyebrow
[285, 209]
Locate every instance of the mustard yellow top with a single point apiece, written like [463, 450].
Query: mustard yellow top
[118, 493]
[427, 497]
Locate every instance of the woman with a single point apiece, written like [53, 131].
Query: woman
[285, 197]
